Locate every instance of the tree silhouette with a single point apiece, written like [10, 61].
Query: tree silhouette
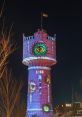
[6, 45]
[9, 88]
[9, 93]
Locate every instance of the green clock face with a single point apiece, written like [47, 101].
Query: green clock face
[39, 49]
[46, 108]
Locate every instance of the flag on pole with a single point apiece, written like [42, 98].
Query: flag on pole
[44, 15]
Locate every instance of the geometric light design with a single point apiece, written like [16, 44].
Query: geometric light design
[39, 49]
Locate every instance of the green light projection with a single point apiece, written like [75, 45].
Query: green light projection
[46, 108]
[39, 49]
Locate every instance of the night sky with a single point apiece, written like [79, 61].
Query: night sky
[64, 19]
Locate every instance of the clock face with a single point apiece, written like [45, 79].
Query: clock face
[46, 108]
[39, 49]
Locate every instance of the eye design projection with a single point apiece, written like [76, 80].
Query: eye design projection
[39, 49]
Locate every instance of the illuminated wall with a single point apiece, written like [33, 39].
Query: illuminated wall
[39, 53]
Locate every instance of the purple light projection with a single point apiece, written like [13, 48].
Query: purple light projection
[39, 53]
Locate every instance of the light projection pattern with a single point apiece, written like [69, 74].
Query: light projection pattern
[32, 86]
[39, 49]
[46, 108]
[39, 54]
[35, 115]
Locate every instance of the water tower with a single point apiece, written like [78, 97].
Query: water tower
[39, 54]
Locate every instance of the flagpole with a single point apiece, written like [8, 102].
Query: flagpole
[43, 15]
[41, 20]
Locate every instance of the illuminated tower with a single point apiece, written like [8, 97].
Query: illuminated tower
[39, 54]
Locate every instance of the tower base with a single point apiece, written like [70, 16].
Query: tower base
[39, 102]
[39, 114]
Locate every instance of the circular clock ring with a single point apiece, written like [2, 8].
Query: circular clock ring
[39, 49]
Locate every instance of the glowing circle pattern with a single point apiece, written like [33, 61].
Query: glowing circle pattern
[39, 49]
[46, 108]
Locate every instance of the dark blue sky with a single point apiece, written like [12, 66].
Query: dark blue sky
[65, 19]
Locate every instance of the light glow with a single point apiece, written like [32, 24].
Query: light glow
[68, 105]
[39, 49]
[39, 67]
